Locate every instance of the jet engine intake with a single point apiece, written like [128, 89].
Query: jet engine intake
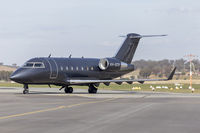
[109, 64]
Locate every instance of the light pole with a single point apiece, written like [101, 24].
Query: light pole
[190, 58]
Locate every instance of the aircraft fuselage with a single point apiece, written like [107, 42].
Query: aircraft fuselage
[58, 70]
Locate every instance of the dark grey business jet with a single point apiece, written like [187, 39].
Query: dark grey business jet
[66, 72]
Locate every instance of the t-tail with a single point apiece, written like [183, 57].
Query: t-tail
[128, 48]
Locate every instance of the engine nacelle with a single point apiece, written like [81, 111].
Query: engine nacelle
[109, 64]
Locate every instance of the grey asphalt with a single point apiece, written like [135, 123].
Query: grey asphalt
[51, 111]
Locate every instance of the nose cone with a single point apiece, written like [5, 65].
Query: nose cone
[15, 77]
[19, 77]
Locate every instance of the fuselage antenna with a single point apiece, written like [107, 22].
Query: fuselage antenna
[70, 56]
[49, 56]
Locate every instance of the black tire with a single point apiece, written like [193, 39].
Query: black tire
[95, 90]
[89, 90]
[25, 91]
[68, 90]
[92, 89]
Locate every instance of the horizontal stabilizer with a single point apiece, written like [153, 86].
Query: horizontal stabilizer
[141, 36]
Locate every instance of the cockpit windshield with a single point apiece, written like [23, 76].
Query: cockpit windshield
[39, 65]
[28, 64]
[33, 65]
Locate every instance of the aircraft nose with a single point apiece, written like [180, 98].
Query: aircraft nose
[18, 77]
[14, 77]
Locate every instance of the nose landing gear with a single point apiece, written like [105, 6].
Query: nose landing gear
[26, 90]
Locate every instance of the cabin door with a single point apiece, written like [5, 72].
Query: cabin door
[53, 69]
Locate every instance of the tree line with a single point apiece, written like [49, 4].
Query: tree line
[162, 68]
[4, 75]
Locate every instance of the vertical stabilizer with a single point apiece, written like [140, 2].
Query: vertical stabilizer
[128, 48]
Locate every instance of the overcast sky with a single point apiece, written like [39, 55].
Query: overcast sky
[91, 28]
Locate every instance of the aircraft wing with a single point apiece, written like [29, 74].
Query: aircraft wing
[119, 81]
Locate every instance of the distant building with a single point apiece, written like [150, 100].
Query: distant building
[14, 65]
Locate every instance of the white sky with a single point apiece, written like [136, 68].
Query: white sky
[90, 28]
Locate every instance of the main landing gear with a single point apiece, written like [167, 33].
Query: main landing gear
[68, 89]
[92, 89]
[26, 90]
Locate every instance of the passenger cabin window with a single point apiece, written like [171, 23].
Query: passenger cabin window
[67, 68]
[82, 68]
[92, 68]
[77, 68]
[72, 68]
[61, 68]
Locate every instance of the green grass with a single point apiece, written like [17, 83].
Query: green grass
[112, 86]
[146, 87]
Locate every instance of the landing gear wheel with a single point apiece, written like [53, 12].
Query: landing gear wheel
[68, 90]
[26, 90]
[92, 89]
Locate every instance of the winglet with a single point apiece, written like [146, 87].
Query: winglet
[172, 74]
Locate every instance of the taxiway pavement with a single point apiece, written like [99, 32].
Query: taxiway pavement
[47, 110]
